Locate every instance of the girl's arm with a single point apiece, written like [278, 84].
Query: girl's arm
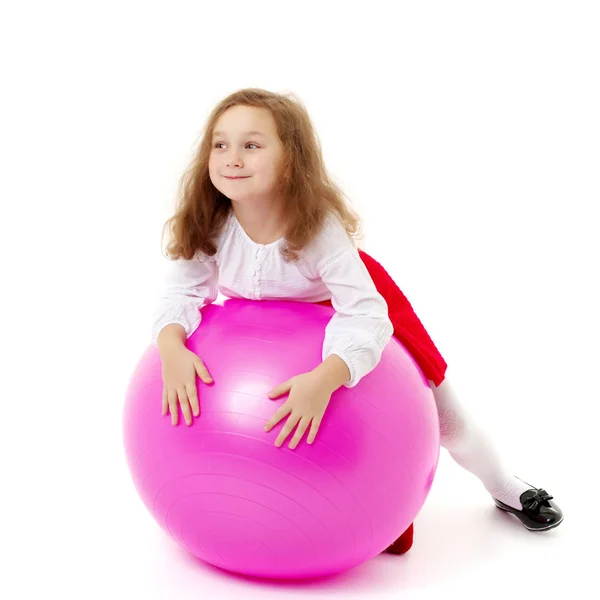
[360, 328]
[189, 285]
[333, 371]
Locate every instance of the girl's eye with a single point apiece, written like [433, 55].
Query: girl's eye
[221, 143]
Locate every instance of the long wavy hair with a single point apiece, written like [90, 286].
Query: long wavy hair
[309, 193]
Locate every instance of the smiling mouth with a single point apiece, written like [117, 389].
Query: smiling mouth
[245, 177]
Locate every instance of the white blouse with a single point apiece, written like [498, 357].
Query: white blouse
[330, 268]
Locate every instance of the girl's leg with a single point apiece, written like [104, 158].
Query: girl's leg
[471, 448]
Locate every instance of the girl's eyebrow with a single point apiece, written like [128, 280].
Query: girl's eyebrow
[244, 133]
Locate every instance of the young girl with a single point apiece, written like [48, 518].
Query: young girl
[260, 219]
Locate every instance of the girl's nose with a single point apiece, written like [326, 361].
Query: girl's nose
[234, 159]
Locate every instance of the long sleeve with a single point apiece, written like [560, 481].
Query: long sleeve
[360, 328]
[189, 285]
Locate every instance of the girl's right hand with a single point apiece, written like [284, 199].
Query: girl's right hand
[179, 369]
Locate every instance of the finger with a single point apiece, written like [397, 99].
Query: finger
[316, 423]
[283, 411]
[165, 401]
[202, 371]
[289, 425]
[280, 389]
[172, 394]
[192, 393]
[185, 406]
[302, 427]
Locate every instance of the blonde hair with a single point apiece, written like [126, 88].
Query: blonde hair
[308, 192]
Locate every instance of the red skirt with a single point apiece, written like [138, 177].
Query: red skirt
[408, 329]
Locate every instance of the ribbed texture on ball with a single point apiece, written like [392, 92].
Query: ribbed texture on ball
[224, 491]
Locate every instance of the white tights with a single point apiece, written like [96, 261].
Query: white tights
[472, 449]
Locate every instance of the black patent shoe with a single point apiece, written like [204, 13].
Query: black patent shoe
[538, 513]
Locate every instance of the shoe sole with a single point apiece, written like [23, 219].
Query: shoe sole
[514, 512]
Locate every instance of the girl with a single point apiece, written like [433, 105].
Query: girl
[260, 219]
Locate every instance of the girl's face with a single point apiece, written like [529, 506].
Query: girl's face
[245, 144]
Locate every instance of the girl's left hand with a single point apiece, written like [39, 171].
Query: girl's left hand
[308, 400]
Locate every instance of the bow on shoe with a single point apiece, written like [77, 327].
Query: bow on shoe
[534, 502]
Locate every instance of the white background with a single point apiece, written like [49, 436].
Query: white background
[467, 136]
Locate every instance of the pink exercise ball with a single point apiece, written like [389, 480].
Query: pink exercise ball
[223, 490]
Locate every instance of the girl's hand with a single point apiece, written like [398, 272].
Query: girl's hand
[179, 369]
[308, 399]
